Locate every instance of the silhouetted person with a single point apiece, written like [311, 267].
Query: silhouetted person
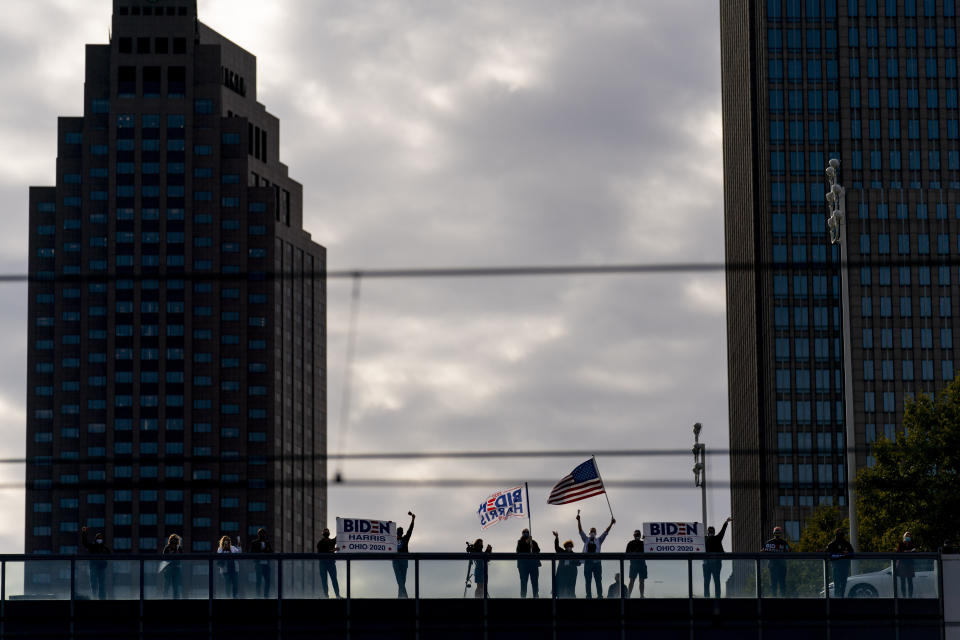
[903, 569]
[228, 568]
[566, 579]
[529, 569]
[479, 567]
[98, 568]
[400, 566]
[778, 568]
[838, 549]
[617, 589]
[713, 543]
[262, 545]
[170, 568]
[328, 568]
[638, 568]
[591, 547]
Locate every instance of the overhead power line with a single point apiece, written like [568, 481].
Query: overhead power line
[486, 272]
[153, 459]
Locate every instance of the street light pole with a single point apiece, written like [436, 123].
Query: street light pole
[837, 205]
[700, 468]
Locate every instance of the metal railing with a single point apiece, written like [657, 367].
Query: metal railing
[458, 575]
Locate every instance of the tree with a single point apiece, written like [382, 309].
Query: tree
[821, 528]
[913, 485]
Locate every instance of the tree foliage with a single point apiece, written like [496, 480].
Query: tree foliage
[913, 485]
[821, 528]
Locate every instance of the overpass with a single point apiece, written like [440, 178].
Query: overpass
[282, 596]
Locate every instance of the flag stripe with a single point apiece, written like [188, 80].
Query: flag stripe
[579, 494]
[568, 501]
[584, 482]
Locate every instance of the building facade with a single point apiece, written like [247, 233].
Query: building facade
[177, 360]
[873, 83]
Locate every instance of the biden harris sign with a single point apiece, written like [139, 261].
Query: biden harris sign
[355, 535]
[673, 537]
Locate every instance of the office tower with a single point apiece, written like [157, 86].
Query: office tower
[873, 83]
[177, 378]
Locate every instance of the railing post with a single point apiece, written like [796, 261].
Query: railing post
[209, 594]
[142, 595]
[623, 607]
[553, 597]
[690, 595]
[486, 609]
[3, 600]
[826, 580]
[416, 597]
[73, 589]
[279, 599]
[349, 599]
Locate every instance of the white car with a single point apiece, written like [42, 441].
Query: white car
[880, 584]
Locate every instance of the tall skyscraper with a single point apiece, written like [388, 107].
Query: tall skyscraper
[873, 83]
[177, 360]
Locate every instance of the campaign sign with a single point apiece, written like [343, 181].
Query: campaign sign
[501, 506]
[673, 537]
[355, 535]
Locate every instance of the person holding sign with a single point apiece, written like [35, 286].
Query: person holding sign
[591, 545]
[638, 568]
[528, 568]
[328, 545]
[400, 566]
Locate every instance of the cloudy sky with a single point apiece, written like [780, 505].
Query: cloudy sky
[430, 133]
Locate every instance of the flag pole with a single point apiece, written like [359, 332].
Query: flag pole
[605, 494]
[526, 488]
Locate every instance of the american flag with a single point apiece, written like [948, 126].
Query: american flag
[583, 482]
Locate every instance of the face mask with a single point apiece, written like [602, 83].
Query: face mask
[636, 537]
[99, 541]
[907, 539]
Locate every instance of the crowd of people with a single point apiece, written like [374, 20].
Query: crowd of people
[528, 565]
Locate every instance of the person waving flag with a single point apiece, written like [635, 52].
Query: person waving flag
[581, 483]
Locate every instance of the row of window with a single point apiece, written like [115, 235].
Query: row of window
[146, 261]
[146, 45]
[883, 276]
[808, 501]
[793, 10]
[147, 424]
[905, 244]
[815, 39]
[921, 210]
[887, 370]
[801, 349]
[153, 213]
[804, 475]
[151, 81]
[826, 411]
[885, 338]
[144, 496]
[826, 380]
[893, 40]
[800, 286]
[905, 307]
[804, 442]
[136, 10]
